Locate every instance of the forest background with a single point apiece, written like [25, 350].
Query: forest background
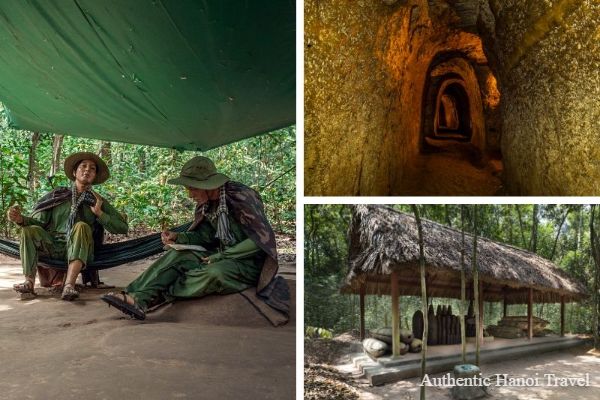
[31, 164]
[561, 233]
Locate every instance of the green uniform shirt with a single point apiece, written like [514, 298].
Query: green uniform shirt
[204, 235]
[54, 220]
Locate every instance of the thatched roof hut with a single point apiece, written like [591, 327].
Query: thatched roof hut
[383, 240]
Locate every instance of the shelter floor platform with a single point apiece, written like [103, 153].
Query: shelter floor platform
[217, 347]
[444, 357]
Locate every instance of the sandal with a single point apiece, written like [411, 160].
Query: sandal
[24, 288]
[121, 304]
[69, 293]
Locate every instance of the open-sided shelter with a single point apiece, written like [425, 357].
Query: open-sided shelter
[384, 260]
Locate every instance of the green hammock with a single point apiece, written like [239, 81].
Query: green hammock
[108, 255]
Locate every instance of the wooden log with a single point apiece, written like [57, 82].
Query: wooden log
[395, 315]
[406, 336]
[416, 346]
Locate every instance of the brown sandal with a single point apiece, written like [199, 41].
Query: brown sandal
[133, 310]
[24, 288]
[69, 293]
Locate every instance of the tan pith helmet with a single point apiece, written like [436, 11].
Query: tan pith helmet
[200, 173]
[102, 173]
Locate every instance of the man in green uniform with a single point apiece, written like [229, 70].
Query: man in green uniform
[67, 223]
[235, 246]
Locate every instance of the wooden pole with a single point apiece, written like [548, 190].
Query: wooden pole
[480, 332]
[562, 316]
[362, 312]
[505, 311]
[530, 315]
[395, 315]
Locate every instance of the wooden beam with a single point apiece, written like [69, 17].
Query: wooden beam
[395, 315]
[562, 316]
[362, 312]
[530, 315]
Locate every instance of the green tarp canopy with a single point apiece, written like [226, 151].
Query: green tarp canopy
[174, 73]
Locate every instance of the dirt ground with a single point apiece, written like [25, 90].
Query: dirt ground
[450, 174]
[346, 385]
[216, 347]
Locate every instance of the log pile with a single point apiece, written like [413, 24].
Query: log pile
[516, 327]
[407, 340]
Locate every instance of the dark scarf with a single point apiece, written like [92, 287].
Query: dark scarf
[61, 195]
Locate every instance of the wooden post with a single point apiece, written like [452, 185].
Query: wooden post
[480, 333]
[362, 312]
[562, 316]
[505, 311]
[395, 322]
[530, 315]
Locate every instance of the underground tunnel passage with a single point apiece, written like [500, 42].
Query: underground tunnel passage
[437, 97]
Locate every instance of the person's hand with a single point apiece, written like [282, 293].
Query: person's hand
[14, 215]
[213, 258]
[97, 208]
[168, 237]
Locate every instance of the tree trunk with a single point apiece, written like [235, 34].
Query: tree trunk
[105, 153]
[57, 142]
[562, 222]
[523, 242]
[32, 175]
[534, 228]
[423, 299]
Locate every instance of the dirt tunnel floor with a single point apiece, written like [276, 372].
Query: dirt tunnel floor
[574, 362]
[218, 347]
[450, 174]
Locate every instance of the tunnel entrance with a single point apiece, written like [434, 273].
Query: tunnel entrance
[452, 120]
[460, 109]
[459, 137]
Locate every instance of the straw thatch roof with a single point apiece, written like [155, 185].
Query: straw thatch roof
[383, 240]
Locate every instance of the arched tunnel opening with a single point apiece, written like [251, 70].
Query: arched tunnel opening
[459, 110]
[452, 120]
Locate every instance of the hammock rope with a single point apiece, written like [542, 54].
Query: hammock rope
[108, 255]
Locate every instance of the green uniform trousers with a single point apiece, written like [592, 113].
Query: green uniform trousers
[183, 274]
[35, 240]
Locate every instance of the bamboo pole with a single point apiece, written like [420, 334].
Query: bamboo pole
[475, 286]
[463, 333]
[530, 315]
[362, 312]
[562, 316]
[480, 328]
[395, 315]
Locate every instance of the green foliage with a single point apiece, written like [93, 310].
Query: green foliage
[138, 184]
[314, 332]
